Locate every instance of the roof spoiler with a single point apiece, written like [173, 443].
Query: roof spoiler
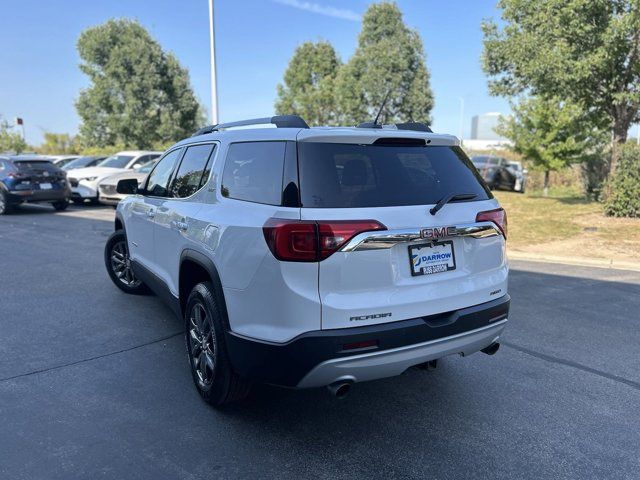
[280, 121]
[414, 126]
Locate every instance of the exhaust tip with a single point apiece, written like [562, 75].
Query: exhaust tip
[339, 389]
[491, 349]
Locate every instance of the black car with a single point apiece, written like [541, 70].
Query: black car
[30, 178]
[83, 162]
[495, 171]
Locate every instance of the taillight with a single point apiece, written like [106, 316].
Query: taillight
[312, 241]
[497, 216]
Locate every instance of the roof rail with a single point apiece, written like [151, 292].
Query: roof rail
[280, 121]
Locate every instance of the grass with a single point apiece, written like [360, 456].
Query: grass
[569, 225]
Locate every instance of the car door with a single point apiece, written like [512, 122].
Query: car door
[142, 211]
[176, 213]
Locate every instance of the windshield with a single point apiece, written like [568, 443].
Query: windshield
[146, 168]
[78, 163]
[334, 175]
[116, 161]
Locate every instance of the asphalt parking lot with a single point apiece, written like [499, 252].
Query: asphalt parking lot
[95, 383]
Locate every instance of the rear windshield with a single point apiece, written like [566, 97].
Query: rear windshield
[335, 175]
[35, 165]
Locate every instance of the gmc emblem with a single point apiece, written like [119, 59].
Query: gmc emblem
[437, 232]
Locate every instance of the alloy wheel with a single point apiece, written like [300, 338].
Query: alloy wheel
[202, 345]
[121, 265]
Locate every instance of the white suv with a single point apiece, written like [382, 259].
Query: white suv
[84, 181]
[310, 257]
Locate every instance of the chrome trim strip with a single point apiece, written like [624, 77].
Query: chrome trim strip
[384, 239]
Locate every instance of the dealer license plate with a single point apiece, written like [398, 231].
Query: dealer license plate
[430, 258]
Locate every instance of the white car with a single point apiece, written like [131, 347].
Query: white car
[309, 257]
[84, 181]
[61, 160]
[107, 194]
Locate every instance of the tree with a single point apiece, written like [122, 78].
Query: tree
[551, 134]
[624, 197]
[58, 143]
[308, 88]
[139, 94]
[11, 142]
[389, 59]
[585, 51]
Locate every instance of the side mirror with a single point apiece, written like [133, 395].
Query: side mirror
[525, 171]
[127, 186]
[136, 165]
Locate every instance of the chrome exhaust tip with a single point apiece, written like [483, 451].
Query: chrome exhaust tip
[339, 389]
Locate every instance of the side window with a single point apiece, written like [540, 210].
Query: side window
[191, 171]
[158, 182]
[253, 172]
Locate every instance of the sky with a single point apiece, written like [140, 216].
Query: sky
[40, 79]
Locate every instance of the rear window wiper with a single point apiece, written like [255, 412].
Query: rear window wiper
[451, 198]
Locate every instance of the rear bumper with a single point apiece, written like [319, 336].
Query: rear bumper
[319, 358]
[53, 195]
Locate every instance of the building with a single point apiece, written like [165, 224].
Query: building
[483, 126]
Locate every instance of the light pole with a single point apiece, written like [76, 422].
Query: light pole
[214, 82]
[461, 117]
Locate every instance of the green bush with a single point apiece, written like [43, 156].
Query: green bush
[623, 198]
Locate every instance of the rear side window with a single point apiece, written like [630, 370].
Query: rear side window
[336, 175]
[253, 172]
[189, 177]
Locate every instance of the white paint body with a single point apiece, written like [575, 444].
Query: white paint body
[275, 301]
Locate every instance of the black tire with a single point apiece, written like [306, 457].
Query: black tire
[5, 206]
[116, 260]
[209, 362]
[61, 205]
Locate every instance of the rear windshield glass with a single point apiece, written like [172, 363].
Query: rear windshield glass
[334, 175]
[35, 165]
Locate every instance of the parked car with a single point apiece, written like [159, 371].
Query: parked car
[84, 181]
[521, 176]
[495, 171]
[83, 162]
[61, 160]
[107, 193]
[310, 257]
[31, 178]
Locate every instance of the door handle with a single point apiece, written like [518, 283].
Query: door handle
[182, 226]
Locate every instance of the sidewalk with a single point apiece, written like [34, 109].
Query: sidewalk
[575, 260]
